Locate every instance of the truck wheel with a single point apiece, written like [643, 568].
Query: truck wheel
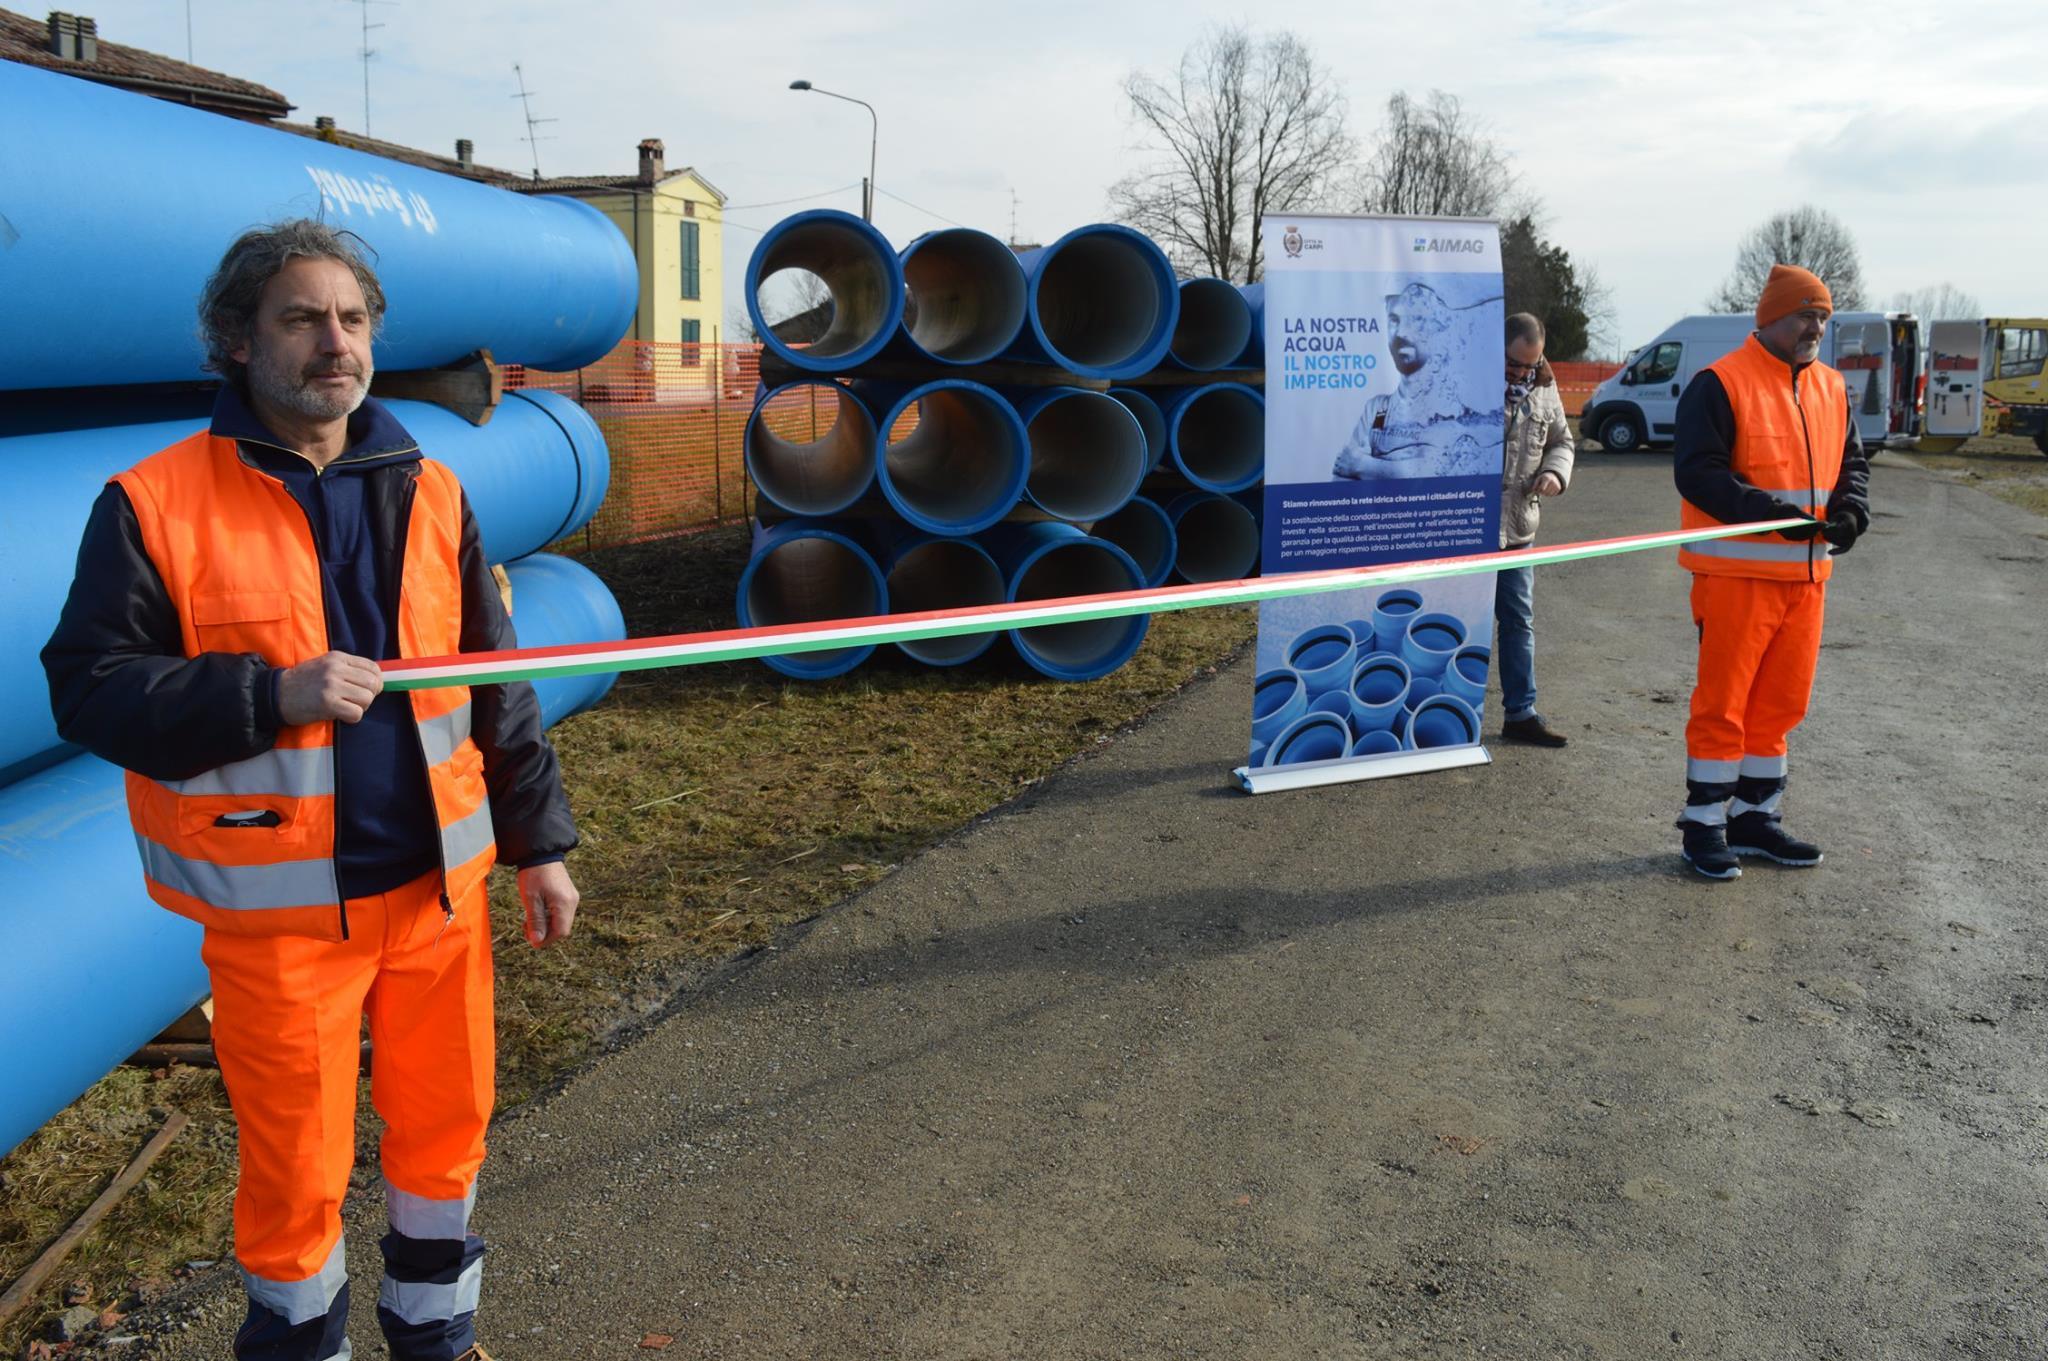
[1620, 433]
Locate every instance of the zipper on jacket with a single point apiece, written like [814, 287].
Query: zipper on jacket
[1805, 433]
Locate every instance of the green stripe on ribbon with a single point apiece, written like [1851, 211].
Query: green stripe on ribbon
[696, 650]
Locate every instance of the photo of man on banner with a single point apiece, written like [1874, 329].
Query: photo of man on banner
[1384, 423]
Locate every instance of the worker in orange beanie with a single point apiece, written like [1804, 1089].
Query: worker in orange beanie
[1764, 433]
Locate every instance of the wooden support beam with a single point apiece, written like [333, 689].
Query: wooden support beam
[471, 387]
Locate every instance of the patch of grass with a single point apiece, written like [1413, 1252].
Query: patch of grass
[717, 805]
[2004, 466]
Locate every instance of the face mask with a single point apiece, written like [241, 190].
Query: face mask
[1519, 389]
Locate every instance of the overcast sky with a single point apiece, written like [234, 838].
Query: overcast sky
[1654, 133]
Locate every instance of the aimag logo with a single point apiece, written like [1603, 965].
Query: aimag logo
[1450, 245]
[1290, 240]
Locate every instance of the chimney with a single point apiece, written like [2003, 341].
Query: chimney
[465, 153]
[88, 39]
[64, 34]
[323, 127]
[651, 152]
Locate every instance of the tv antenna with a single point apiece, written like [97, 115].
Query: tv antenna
[532, 139]
[367, 53]
[1013, 216]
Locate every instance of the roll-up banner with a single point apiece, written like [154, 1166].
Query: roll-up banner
[1384, 416]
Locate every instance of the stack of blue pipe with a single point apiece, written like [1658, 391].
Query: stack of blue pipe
[944, 463]
[118, 207]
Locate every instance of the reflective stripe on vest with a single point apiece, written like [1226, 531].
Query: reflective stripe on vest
[257, 835]
[1791, 448]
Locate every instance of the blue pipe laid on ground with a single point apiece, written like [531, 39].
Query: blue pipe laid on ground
[801, 572]
[1254, 296]
[1102, 303]
[821, 475]
[1140, 404]
[85, 945]
[538, 280]
[534, 474]
[965, 463]
[1087, 451]
[966, 297]
[1214, 328]
[1145, 531]
[925, 572]
[1216, 435]
[1218, 537]
[858, 268]
[1049, 561]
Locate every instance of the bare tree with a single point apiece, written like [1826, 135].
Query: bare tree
[1432, 159]
[1809, 237]
[1248, 125]
[1939, 302]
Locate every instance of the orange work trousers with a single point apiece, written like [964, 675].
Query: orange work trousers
[287, 1025]
[1759, 647]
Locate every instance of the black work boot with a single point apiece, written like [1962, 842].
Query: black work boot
[1761, 834]
[1706, 850]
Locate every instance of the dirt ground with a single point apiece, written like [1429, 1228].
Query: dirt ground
[1454, 1066]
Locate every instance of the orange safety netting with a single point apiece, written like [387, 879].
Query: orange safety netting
[1576, 381]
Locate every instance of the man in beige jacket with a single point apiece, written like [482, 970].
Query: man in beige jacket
[1537, 464]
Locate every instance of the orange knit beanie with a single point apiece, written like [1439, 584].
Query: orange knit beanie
[1791, 289]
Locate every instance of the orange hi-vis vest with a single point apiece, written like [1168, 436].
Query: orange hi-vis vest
[248, 848]
[1787, 442]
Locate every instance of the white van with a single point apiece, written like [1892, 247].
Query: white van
[1879, 354]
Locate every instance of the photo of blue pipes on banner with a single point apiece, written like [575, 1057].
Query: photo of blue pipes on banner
[1384, 411]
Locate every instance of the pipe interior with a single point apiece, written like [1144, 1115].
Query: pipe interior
[1378, 742]
[1222, 437]
[1143, 531]
[960, 462]
[1087, 456]
[811, 448]
[1471, 665]
[944, 574]
[1441, 725]
[854, 272]
[1214, 327]
[967, 293]
[1099, 301]
[1379, 685]
[1077, 569]
[1270, 695]
[806, 579]
[1150, 420]
[1317, 740]
[1219, 541]
[1317, 651]
[1435, 637]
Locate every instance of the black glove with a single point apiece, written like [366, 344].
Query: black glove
[1798, 533]
[1844, 527]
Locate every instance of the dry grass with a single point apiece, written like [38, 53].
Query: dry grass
[717, 804]
[2005, 466]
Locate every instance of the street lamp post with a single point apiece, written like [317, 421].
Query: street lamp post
[867, 191]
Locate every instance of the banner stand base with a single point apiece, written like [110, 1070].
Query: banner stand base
[1348, 770]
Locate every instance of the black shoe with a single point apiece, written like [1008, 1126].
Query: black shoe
[1532, 731]
[1706, 850]
[1760, 834]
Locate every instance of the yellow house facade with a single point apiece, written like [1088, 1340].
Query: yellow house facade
[671, 218]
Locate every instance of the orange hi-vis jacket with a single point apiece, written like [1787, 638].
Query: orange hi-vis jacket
[1789, 434]
[248, 848]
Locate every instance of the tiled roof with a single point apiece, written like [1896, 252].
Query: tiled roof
[426, 160]
[27, 41]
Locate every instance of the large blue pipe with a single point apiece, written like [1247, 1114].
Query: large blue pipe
[1088, 452]
[1103, 303]
[965, 297]
[857, 267]
[1254, 296]
[79, 926]
[92, 175]
[811, 447]
[1051, 561]
[804, 572]
[1215, 326]
[535, 473]
[1216, 435]
[962, 466]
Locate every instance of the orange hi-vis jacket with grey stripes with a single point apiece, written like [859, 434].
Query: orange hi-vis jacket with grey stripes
[248, 847]
[1790, 429]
